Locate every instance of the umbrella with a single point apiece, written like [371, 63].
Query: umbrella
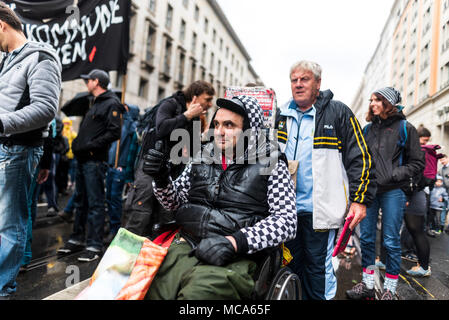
[80, 104]
[41, 9]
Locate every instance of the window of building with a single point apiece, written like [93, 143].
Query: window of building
[160, 93]
[167, 57]
[196, 15]
[225, 78]
[150, 44]
[203, 54]
[192, 71]
[424, 90]
[194, 40]
[181, 65]
[219, 69]
[445, 76]
[212, 58]
[214, 35]
[152, 5]
[203, 73]
[182, 31]
[206, 25]
[169, 17]
[143, 88]
[445, 37]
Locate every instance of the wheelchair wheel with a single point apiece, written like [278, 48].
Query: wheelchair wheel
[285, 286]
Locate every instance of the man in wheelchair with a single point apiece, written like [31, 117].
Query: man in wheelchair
[234, 200]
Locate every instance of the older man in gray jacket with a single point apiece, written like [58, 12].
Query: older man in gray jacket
[30, 84]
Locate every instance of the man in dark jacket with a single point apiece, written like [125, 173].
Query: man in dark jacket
[229, 205]
[100, 127]
[334, 178]
[183, 111]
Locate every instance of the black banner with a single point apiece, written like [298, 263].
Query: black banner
[93, 35]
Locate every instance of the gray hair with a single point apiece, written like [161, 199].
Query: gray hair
[314, 67]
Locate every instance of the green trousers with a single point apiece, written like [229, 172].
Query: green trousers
[181, 277]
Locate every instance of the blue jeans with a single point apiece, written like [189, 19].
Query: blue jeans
[115, 181]
[49, 186]
[443, 214]
[32, 207]
[392, 204]
[90, 210]
[17, 165]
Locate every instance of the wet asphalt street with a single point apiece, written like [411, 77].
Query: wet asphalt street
[49, 273]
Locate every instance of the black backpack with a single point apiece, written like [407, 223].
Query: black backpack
[146, 126]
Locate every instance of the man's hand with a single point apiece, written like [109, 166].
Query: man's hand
[155, 164]
[359, 212]
[194, 110]
[217, 251]
[42, 176]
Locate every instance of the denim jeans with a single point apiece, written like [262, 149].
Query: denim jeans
[443, 214]
[392, 204]
[32, 207]
[115, 181]
[90, 210]
[49, 186]
[17, 165]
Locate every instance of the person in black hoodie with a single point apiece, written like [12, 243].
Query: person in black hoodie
[182, 111]
[396, 163]
[100, 127]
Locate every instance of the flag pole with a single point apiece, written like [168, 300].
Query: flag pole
[117, 151]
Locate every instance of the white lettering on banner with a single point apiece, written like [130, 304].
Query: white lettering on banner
[62, 36]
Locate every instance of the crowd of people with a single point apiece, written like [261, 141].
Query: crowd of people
[227, 188]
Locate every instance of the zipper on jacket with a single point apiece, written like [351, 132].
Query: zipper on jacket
[217, 186]
[297, 139]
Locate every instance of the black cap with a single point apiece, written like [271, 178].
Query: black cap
[102, 76]
[233, 104]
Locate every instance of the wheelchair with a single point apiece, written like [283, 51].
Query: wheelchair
[273, 281]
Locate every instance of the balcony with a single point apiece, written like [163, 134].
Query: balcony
[164, 75]
[148, 63]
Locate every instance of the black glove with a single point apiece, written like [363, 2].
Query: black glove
[155, 164]
[216, 251]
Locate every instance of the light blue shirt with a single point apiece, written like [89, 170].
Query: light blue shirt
[299, 147]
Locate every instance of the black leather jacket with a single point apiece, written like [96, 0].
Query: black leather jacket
[221, 202]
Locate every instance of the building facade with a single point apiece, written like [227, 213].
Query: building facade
[413, 56]
[172, 44]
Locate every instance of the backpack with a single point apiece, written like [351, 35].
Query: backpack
[141, 210]
[146, 126]
[402, 138]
